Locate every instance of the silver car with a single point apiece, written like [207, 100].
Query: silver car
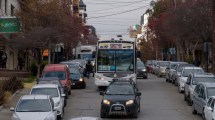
[161, 70]
[201, 94]
[192, 80]
[54, 92]
[34, 107]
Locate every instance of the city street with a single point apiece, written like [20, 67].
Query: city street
[159, 100]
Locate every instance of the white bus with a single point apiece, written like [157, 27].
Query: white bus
[115, 59]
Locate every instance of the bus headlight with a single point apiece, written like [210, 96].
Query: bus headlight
[106, 102]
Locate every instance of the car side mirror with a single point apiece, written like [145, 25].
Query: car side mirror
[138, 93]
[63, 95]
[102, 93]
[12, 109]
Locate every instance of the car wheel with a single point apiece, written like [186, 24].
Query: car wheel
[166, 80]
[179, 89]
[173, 82]
[65, 103]
[84, 86]
[185, 98]
[134, 115]
[67, 95]
[103, 115]
[193, 109]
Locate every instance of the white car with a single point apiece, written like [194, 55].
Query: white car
[54, 92]
[86, 118]
[209, 113]
[182, 79]
[34, 107]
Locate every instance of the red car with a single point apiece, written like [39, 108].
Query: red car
[62, 72]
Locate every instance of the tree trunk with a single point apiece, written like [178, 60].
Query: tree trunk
[177, 49]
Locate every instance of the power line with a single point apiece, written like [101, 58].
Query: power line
[112, 8]
[119, 12]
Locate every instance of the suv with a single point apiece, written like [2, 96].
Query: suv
[201, 94]
[192, 80]
[62, 72]
[120, 98]
[54, 92]
[182, 79]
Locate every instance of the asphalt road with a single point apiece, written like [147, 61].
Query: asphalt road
[159, 101]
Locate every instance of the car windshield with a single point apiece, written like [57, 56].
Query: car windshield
[116, 60]
[120, 90]
[210, 91]
[74, 71]
[196, 80]
[186, 72]
[60, 74]
[173, 66]
[164, 64]
[45, 91]
[34, 105]
[140, 64]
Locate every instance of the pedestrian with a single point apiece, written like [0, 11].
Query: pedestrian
[88, 68]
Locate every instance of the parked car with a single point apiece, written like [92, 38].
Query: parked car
[154, 66]
[76, 78]
[161, 70]
[209, 113]
[120, 98]
[53, 80]
[182, 79]
[177, 72]
[141, 70]
[201, 94]
[192, 80]
[62, 72]
[54, 92]
[72, 64]
[34, 107]
[170, 69]
[85, 118]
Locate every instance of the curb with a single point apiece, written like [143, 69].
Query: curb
[2, 106]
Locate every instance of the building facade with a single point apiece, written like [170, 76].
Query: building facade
[8, 54]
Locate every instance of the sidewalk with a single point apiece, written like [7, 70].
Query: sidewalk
[5, 113]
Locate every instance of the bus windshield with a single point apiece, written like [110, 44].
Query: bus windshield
[115, 60]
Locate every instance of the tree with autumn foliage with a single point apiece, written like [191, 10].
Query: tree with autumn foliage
[186, 24]
[45, 24]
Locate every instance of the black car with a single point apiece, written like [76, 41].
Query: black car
[120, 98]
[141, 70]
[76, 78]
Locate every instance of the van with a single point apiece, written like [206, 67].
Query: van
[62, 72]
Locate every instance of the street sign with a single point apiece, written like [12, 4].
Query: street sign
[9, 25]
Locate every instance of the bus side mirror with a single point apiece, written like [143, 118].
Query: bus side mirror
[138, 54]
[94, 54]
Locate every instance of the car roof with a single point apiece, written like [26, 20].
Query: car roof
[45, 86]
[29, 97]
[208, 84]
[48, 78]
[55, 67]
[194, 67]
[202, 74]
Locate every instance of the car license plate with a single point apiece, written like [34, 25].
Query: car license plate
[117, 108]
[73, 83]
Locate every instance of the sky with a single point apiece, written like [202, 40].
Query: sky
[114, 17]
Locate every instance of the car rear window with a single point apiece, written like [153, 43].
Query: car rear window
[60, 74]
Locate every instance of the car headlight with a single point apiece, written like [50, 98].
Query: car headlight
[81, 79]
[129, 102]
[15, 117]
[99, 78]
[49, 117]
[57, 104]
[144, 70]
[107, 102]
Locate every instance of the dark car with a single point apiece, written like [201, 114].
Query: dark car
[120, 98]
[76, 78]
[141, 70]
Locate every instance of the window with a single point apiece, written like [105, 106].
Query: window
[202, 92]
[197, 89]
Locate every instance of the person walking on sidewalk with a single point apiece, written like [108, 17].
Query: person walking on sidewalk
[89, 68]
